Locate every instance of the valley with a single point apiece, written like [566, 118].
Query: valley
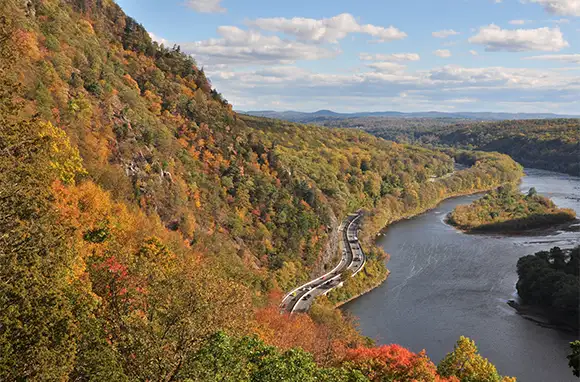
[149, 232]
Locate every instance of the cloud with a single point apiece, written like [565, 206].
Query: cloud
[489, 87]
[519, 22]
[567, 58]
[158, 39]
[326, 30]
[474, 52]
[387, 67]
[206, 6]
[444, 53]
[519, 40]
[242, 47]
[444, 33]
[559, 21]
[560, 7]
[395, 57]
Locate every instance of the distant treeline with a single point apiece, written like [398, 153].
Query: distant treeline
[551, 280]
[550, 144]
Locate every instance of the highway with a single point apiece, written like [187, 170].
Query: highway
[352, 258]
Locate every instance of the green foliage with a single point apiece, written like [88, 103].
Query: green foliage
[550, 144]
[574, 358]
[223, 358]
[506, 209]
[550, 279]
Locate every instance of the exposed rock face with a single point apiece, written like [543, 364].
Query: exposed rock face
[28, 5]
[328, 258]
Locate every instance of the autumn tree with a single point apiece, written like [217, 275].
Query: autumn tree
[465, 363]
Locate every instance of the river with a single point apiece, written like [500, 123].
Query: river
[444, 284]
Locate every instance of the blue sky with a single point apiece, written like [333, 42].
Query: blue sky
[377, 55]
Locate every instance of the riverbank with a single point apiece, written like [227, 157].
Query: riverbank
[487, 171]
[569, 226]
[542, 317]
[358, 292]
[338, 305]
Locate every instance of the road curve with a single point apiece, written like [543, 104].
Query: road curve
[352, 258]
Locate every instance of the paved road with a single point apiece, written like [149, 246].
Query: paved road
[352, 258]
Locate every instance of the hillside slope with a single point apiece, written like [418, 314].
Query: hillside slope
[546, 144]
[140, 216]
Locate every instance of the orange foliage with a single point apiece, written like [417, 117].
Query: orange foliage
[131, 82]
[28, 44]
[299, 330]
[393, 362]
[154, 102]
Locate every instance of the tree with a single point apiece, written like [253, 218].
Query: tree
[465, 363]
[391, 363]
[224, 358]
[346, 274]
[574, 358]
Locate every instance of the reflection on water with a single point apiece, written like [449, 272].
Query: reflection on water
[444, 284]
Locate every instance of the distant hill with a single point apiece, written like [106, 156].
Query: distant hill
[322, 115]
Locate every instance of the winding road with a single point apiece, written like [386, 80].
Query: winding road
[352, 258]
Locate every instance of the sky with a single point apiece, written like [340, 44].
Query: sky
[379, 55]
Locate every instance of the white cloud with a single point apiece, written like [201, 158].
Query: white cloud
[488, 87]
[395, 57]
[158, 39]
[519, 40]
[568, 58]
[560, 7]
[444, 53]
[326, 30]
[387, 67]
[519, 22]
[242, 47]
[474, 52]
[559, 21]
[206, 6]
[444, 33]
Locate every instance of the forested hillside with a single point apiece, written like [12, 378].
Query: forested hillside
[550, 144]
[147, 230]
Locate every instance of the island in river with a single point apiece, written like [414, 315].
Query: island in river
[507, 210]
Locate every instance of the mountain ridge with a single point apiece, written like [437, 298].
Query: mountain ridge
[298, 116]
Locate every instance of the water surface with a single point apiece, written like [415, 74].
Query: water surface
[444, 284]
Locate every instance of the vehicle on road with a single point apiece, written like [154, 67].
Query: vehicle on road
[352, 259]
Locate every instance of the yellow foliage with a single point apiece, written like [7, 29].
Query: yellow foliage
[131, 82]
[64, 158]
[86, 27]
